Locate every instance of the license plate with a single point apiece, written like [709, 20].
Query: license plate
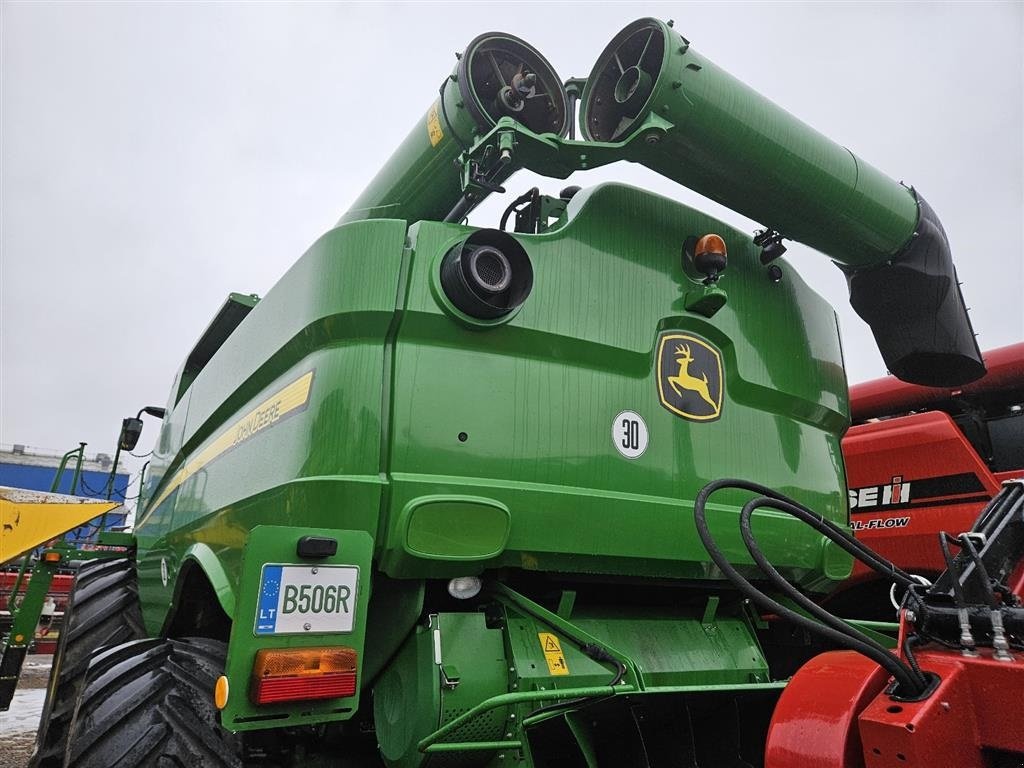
[304, 599]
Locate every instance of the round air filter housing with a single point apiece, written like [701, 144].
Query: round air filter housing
[488, 275]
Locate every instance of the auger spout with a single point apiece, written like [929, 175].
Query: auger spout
[736, 147]
[497, 75]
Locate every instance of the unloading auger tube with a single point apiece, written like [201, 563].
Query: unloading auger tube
[497, 75]
[733, 145]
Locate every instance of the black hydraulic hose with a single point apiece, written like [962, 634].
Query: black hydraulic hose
[529, 195]
[988, 514]
[908, 650]
[954, 572]
[591, 650]
[980, 570]
[597, 653]
[558, 706]
[858, 641]
[461, 209]
[841, 537]
[903, 674]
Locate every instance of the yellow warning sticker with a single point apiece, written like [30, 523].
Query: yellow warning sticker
[434, 125]
[553, 654]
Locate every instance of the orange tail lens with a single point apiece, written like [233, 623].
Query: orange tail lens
[302, 674]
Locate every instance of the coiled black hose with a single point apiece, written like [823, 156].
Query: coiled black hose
[858, 641]
[906, 678]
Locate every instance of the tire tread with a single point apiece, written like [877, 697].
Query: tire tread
[103, 610]
[150, 703]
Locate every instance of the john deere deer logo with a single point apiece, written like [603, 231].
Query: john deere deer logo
[689, 377]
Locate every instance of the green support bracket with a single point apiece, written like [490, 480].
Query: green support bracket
[706, 300]
[116, 539]
[25, 619]
[710, 610]
[510, 146]
[566, 602]
[508, 596]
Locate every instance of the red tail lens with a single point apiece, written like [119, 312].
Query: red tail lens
[302, 674]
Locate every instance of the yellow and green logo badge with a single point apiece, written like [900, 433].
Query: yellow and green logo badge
[690, 379]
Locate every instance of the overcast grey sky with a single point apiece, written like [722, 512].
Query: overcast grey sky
[156, 156]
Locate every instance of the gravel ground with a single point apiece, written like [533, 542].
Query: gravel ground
[18, 725]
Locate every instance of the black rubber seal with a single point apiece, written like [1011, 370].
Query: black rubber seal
[468, 294]
[916, 311]
[893, 691]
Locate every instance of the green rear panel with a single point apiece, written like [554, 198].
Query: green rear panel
[535, 400]
[536, 475]
[353, 399]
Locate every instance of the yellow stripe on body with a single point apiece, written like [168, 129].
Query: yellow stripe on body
[263, 416]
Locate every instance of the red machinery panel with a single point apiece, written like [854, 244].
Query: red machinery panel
[835, 713]
[909, 478]
[913, 471]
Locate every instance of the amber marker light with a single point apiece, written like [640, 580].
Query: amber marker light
[51, 557]
[710, 244]
[303, 674]
[220, 692]
[710, 257]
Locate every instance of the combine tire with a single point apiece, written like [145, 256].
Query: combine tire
[103, 610]
[150, 703]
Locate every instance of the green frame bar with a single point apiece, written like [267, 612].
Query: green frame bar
[519, 697]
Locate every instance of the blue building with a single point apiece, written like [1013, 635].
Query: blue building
[22, 468]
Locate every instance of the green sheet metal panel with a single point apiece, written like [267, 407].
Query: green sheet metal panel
[535, 398]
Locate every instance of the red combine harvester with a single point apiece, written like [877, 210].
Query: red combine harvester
[920, 460]
[925, 465]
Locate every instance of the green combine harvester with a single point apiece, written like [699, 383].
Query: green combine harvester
[435, 500]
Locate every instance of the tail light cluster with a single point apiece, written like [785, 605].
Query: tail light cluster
[302, 674]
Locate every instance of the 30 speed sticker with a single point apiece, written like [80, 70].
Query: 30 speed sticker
[629, 434]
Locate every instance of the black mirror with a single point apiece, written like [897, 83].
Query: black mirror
[131, 429]
[152, 410]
